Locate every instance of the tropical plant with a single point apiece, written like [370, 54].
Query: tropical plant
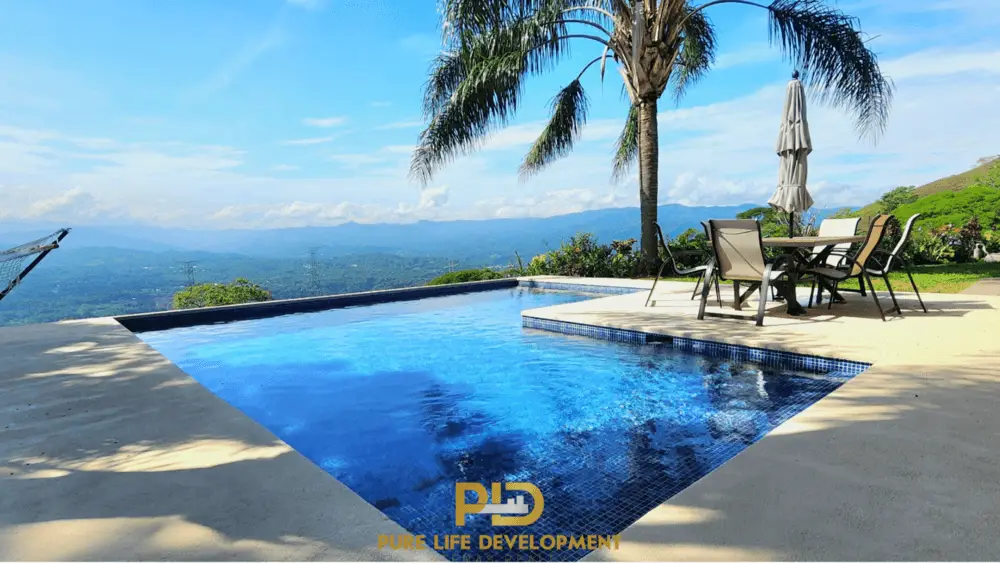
[492, 46]
[583, 256]
[241, 290]
[929, 247]
[682, 244]
[462, 276]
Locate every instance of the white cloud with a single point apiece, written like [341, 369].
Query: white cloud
[324, 121]
[399, 149]
[407, 124]
[711, 154]
[309, 141]
[357, 159]
[940, 62]
[433, 197]
[74, 199]
[556, 202]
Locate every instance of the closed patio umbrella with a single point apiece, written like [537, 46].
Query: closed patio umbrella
[794, 146]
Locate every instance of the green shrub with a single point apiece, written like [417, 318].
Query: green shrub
[463, 276]
[582, 256]
[930, 247]
[241, 290]
[991, 239]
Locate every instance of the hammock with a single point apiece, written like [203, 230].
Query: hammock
[12, 268]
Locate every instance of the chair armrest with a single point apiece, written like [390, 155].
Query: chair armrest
[887, 264]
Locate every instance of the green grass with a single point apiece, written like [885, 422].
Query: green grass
[943, 278]
[955, 183]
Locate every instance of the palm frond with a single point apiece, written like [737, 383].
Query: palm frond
[531, 42]
[697, 52]
[491, 47]
[569, 114]
[627, 146]
[476, 88]
[828, 47]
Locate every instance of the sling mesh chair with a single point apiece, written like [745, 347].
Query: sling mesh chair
[739, 257]
[886, 262]
[835, 258]
[697, 271]
[855, 267]
[708, 234]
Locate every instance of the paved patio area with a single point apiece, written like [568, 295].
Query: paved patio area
[900, 463]
[109, 452]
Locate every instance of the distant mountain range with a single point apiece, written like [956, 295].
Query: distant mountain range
[484, 241]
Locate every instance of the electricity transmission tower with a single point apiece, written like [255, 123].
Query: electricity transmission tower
[313, 270]
[189, 272]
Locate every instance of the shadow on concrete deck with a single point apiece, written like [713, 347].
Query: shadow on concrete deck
[110, 452]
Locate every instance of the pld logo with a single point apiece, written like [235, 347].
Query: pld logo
[498, 508]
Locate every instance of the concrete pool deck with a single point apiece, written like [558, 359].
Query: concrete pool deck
[900, 463]
[110, 452]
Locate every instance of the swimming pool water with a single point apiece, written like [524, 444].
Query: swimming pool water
[399, 401]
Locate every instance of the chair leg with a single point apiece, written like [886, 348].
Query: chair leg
[874, 295]
[736, 296]
[705, 288]
[811, 290]
[718, 293]
[762, 306]
[829, 300]
[914, 284]
[701, 278]
[658, 274]
[895, 304]
[861, 284]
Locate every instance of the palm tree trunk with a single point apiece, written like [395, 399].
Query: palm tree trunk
[649, 159]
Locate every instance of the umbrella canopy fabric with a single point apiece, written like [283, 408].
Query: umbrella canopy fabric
[793, 148]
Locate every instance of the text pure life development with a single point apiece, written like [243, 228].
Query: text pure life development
[524, 542]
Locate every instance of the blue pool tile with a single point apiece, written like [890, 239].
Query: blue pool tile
[400, 401]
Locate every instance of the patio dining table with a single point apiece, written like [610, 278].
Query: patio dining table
[801, 263]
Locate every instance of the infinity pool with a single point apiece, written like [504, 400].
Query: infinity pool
[400, 401]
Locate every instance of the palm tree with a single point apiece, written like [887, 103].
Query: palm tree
[492, 46]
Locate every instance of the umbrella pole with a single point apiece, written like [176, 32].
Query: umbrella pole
[791, 224]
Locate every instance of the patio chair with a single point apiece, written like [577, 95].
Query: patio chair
[677, 270]
[739, 257]
[886, 262]
[708, 234]
[835, 257]
[854, 267]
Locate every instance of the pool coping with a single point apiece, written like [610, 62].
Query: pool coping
[177, 318]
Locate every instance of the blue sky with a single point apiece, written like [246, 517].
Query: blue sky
[276, 113]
